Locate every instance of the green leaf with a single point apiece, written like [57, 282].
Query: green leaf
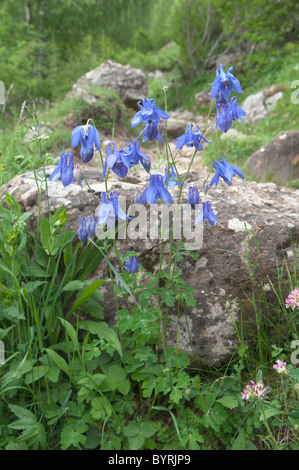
[85, 296]
[136, 442]
[131, 430]
[271, 412]
[147, 429]
[229, 402]
[72, 434]
[239, 442]
[36, 373]
[74, 285]
[294, 373]
[71, 332]
[59, 361]
[102, 330]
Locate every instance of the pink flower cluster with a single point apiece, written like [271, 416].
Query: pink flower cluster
[293, 299]
[254, 390]
[281, 367]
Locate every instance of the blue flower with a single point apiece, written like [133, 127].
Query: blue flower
[117, 161]
[237, 111]
[110, 210]
[191, 139]
[148, 112]
[89, 139]
[193, 196]
[224, 118]
[64, 170]
[86, 228]
[224, 83]
[206, 214]
[171, 177]
[134, 155]
[151, 132]
[132, 265]
[225, 171]
[155, 191]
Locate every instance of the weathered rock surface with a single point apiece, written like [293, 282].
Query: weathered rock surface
[221, 280]
[203, 98]
[258, 105]
[278, 160]
[178, 121]
[128, 82]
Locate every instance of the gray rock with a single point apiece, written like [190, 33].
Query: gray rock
[203, 98]
[178, 121]
[130, 83]
[278, 160]
[258, 105]
[222, 284]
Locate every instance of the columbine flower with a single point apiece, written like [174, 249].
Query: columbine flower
[225, 171]
[237, 111]
[132, 265]
[86, 228]
[292, 300]
[224, 83]
[171, 178]
[206, 214]
[151, 132]
[89, 139]
[281, 367]
[110, 210]
[116, 160]
[148, 112]
[155, 191]
[191, 139]
[254, 390]
[64, 170]
[134, 155]
[193, 196]
[224, 118]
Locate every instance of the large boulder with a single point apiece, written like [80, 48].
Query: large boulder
[278, 160]
[256, 229]
[128, 82]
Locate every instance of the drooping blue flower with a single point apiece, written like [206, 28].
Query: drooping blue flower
[224, 83]
[89, 139]
[110, 210]
[193, 196]
[191, 139]
[148, 112]
[86, 228]
[206, 214]
[151, 132]
[237, 111]
[171, 177]
[224, 118]
[134, 155]
[155, 191]
[117, 161]
[64, 170]
[132, 265]
[225, 171]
